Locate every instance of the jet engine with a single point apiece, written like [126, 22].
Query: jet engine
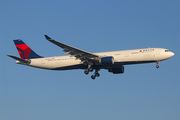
[117, 70]
[107, 60]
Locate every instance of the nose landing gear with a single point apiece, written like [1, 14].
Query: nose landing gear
[157, 66]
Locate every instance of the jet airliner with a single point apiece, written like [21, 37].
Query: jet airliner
[113, 61]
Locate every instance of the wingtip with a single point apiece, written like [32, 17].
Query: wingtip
[9, 55]
[47, 37]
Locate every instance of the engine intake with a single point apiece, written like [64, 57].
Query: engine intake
[107, 60]
[117, 70]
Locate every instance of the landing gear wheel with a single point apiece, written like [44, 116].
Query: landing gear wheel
[93, 77]
[157, 66]
[97, 74]
[86, 72]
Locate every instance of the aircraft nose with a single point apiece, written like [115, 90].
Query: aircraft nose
[172, 54]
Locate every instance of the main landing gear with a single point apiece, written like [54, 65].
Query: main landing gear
[90, 69]
[96, 74]
[157, 66]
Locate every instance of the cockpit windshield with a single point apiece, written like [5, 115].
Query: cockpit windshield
[166, 50]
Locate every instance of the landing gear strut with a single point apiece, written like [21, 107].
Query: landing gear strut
[89, 67]
[157, 66]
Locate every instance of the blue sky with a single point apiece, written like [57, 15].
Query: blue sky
[142, 92]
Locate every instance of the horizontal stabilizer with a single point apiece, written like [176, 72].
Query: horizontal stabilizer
[19, 59]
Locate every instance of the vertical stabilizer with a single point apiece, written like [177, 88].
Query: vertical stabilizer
[25, 51]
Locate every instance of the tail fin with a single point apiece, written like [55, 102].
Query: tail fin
[25, 52]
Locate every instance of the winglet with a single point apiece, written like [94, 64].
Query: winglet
[47, 37]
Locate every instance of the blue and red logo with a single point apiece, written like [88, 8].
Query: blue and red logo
[24, 51]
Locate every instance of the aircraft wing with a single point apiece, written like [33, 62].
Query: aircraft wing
[79, 54]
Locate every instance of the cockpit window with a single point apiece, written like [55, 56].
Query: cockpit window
[166, 50]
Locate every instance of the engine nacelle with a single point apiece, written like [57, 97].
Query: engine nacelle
[107, 60]
[117, 70]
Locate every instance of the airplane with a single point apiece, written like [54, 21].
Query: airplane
[113, 61]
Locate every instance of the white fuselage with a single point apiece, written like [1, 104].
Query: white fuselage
[124, 57]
